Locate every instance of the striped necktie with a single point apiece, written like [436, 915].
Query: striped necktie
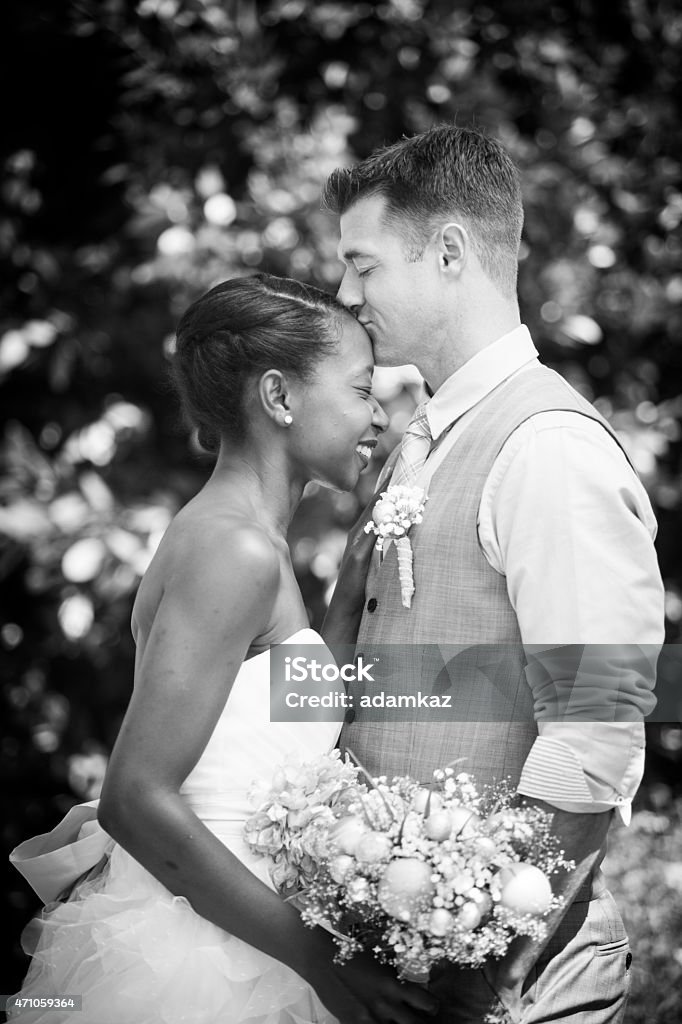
[414, 448]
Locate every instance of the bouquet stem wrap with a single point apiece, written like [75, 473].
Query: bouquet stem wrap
[414, 973]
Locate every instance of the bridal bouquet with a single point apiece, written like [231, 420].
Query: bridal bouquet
[417, 875]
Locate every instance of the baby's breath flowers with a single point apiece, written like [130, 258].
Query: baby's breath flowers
[414, 874]
[397, 510]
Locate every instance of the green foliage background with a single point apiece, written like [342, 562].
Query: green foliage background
[153, 148]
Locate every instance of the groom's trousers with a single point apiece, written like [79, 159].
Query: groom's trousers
[582, 977]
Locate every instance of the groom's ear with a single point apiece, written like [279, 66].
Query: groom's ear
[453, 249]
[273, 392]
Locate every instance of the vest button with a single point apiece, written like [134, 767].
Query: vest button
[371, 604]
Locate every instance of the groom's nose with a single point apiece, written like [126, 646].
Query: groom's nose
[350, 292]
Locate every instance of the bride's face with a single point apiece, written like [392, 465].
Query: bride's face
[335, 418]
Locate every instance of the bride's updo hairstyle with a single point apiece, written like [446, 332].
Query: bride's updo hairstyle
[236, 332]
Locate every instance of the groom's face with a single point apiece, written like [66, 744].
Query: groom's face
[396, 299]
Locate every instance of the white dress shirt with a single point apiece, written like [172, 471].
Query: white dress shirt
[564, 518]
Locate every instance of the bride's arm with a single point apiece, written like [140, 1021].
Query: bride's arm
[214, 604]
[342, 621]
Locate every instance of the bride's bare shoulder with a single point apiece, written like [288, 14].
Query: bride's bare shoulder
[207, 555]
[205, 532]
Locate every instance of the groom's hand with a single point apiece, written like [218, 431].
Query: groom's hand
[386, 998]
[468, 997]
[507, 992]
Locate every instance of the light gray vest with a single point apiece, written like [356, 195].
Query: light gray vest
[461, 635]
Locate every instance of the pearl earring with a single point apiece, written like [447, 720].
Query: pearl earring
[288, 420]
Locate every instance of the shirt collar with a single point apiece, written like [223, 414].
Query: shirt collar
[478, 377]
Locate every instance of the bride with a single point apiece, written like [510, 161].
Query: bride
[183, 924]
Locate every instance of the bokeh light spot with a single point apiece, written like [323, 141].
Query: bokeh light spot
[601, 256]
[76, 616]
[83, 560]
[11, 635]
[176, 241]
[220, 210]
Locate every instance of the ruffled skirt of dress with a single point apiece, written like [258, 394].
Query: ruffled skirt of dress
[135, 952]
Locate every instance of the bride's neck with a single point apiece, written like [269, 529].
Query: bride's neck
[259, 485]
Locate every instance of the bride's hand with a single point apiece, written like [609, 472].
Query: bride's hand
[357, 553]
[345, 608]
[359, 544]
[383, 997]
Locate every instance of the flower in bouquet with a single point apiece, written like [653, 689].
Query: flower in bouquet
[420, 875]
[398, 509]
[294, 816]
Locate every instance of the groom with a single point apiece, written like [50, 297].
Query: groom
[537, 540]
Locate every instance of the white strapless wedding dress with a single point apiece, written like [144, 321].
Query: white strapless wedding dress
[137, 953]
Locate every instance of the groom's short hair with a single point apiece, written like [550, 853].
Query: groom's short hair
[443, 172]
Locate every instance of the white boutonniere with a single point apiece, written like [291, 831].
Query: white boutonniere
[395, 513]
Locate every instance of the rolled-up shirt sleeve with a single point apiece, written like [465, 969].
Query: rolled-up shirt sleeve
[566, 520]
[585, 767]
